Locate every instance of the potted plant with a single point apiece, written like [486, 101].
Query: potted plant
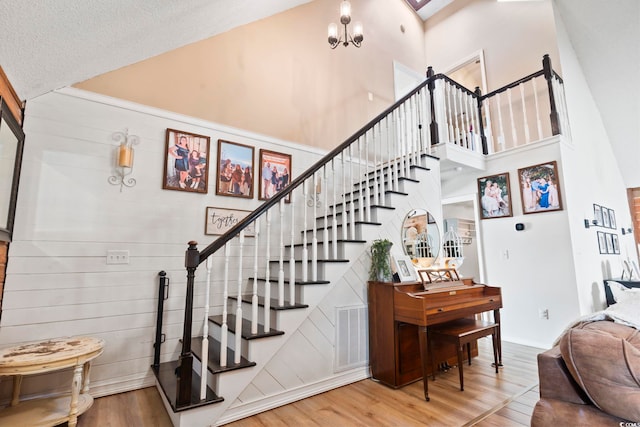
[380, 262]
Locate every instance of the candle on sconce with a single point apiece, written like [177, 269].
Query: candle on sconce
[125, 156]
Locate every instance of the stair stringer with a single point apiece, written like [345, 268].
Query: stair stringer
[304, 365]
[347, 283]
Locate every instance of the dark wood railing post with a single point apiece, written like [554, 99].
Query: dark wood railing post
[162, 295]
[548, 75]
[483, 137]
[185, 368]
[433, 127]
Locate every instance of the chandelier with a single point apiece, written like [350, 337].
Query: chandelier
[345, 18]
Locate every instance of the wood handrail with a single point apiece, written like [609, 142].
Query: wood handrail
[222, 240]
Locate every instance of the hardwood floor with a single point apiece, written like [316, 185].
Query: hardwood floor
[489, 399]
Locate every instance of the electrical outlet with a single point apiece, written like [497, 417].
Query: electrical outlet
[543, 313]
[118, 257]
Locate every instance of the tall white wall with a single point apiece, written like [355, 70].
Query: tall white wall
[591, 177]
[68, 216]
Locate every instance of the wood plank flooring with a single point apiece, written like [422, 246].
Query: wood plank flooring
[490, 399]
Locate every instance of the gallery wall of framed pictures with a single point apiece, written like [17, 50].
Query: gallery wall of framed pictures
[608, 243]
[186, 168]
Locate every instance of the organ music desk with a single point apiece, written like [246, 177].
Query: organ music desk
[399, 315]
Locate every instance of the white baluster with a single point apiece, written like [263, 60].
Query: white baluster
[451, 135]
[224, 329]
[456, 115]
[292, 255]
[325, 232]
[389, 157]
[254, 294]
[514, 134]
[501, 141]
[281, 257]
[361, 202]
[468, 120]
[535, 100]
[334, 219]
[367, 195]
[267, 286]
[407, 146]
[527, 138]
[377, 166]
[205, 332]
[352, 219]
[394, 142]
[305, 250]
[344, 198]
[314, 239]
[238, 335]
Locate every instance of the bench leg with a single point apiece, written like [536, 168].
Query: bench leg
[494, 338]
[460, 364]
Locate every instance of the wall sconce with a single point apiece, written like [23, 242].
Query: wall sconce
[124, 159]
[345, 18]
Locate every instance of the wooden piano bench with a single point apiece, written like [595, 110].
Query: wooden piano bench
[462, 332]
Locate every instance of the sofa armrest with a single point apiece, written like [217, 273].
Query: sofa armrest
[556, 381]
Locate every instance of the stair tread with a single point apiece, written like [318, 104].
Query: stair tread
[297, 282]
[287, 261]
[273, 303]
[246, 327]
[420, 167]
[213, 364]
[166, 376]
[373, 206]
[320, 243]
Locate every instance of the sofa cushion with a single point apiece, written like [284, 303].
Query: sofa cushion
[604, 359]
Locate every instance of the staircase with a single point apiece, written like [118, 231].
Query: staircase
[304, 252]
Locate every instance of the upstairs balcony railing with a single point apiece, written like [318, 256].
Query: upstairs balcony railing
[438, 111]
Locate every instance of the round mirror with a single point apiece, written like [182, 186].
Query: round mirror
[420, 237]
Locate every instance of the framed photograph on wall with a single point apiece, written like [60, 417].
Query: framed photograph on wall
[609, 237]
[612, 218]
[616, 243]
[605, 217]
[220, 220]
[495, 196]
[275, 173]
[234, 176]
[186, 166]
[597, 214]
[602, 242]
[539, 188]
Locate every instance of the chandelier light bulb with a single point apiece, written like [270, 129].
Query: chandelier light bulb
[345, 12]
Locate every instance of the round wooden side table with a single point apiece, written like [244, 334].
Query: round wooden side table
[46, 356]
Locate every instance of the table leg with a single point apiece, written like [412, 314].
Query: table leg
[15, 397]
[424, 342]
[85, 377]
[75, 392]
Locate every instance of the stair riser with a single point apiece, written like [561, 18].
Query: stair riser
[356, 203]
[247, 310]
[275, 269]
[297, 252]
[274, 289]
[215, 332]
[339, 217]
[320, 235]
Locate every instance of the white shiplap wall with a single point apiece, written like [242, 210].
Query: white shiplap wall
[68, 217]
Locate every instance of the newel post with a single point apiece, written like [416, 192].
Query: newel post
[548, 75]
[483, 137]
[433, 127]
[185, 369]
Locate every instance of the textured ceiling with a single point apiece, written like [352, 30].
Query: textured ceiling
[55, 43]
[50, 44]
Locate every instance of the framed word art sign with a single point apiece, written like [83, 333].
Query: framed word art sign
[220, 220]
